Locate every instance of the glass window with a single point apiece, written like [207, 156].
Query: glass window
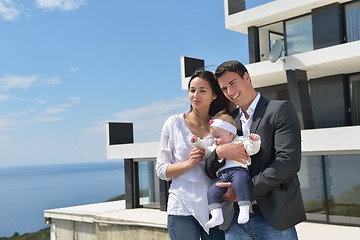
[273, 36]
[312, 187]
[343, 188]
[355, 99]
[352, 19]
[148, 185]
[330, 187]
[268, 34]
[299, 35]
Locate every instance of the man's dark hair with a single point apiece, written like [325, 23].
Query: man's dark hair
[230, 66]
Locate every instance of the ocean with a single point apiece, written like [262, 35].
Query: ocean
[26, 191]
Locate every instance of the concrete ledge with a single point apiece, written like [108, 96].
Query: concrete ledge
[111, 220]
[310, 231]
[110, 213]
[322, 141]
[136, 217]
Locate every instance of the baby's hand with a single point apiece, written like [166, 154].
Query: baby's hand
[197, 143]
[254, 137]
[193, 139]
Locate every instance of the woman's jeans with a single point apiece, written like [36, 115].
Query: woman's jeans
[188, 228]
[257, 228]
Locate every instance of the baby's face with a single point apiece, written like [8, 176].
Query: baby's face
[221, 136]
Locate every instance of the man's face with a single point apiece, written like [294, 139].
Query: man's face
[236, 88]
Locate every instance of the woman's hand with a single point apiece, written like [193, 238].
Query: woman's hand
[176, 169]
[196, 155]
[233, 151]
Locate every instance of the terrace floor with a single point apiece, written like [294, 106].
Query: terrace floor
[116, 214]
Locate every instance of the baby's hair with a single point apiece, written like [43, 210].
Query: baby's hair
[222, 115]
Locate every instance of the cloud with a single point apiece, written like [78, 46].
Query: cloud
[8, 10]
[65, 5]
[147, 120]
[9, 82]
[158, 108]
[71, 102]
[53, 114]
[54, 110]
[4, 97]
[52, 80]
[74, 69]
[6, 122]
[13, 121]
[74, 100]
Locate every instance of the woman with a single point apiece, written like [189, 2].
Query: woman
[179, 162]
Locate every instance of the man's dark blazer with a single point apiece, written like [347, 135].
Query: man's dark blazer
[274, 181]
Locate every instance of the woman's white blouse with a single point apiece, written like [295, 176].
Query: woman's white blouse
[188, 191]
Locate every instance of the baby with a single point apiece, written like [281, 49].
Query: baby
[223, 129]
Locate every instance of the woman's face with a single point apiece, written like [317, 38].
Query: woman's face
[200, 94]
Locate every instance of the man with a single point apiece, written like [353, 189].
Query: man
[274, 185]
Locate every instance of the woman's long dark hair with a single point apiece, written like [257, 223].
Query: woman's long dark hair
[221, 102]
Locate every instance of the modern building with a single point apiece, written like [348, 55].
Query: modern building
[305, 51]
[308, 52]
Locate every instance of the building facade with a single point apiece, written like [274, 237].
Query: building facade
[308, 52]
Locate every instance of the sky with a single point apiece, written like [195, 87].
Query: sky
[67, 67]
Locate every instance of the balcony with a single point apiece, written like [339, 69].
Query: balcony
[274, 11]
[339, 59]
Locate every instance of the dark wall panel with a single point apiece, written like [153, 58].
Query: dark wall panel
[192, 64]
[330, 104]
[299, 96]
[275, 92]
[253, 42]
[120, 133]
[328, 26]
[235, 6]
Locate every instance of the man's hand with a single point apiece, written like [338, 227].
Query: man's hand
[230, 195]
[233, 151]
